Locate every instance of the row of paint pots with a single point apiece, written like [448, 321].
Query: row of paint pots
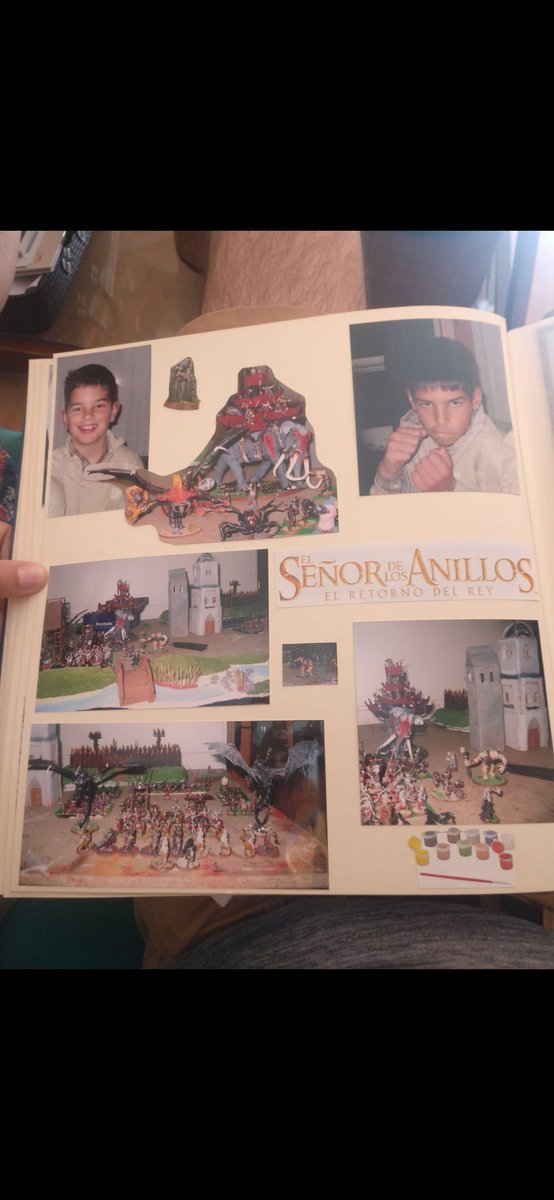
[468, 844]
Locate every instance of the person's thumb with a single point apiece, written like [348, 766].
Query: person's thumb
[21, 578]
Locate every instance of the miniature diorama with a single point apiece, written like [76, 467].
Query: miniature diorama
[179, 631]
[229, 805]
[457, 731]
[453, 858]
[306, 663]
[258, 477]
[182, 387]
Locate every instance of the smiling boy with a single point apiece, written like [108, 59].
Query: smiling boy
[91, 408]
[446, 442]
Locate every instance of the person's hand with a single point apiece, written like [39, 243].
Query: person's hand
[18, 578]
[401, 447]
[434, 473]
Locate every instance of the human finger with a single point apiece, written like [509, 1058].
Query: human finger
[21, 578]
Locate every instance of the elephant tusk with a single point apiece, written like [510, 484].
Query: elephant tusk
[292, 464]
[277, 464]
[313, 486]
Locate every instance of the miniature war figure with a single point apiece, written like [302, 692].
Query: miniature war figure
[491, 763]
[304, 756]
[252, 522]
[182, 386]
[488, 812]
[86, 786]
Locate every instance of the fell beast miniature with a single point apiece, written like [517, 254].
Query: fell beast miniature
[86, 786]
[304, 756]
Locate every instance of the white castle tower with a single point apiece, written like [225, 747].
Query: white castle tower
[523, 695]
[206, 614]
[44, 787]
[178, 603]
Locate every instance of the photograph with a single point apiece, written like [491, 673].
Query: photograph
[306, 663]
[102, 416]
[431, 408]
[452, 723]
[178, 631]
[220, 806]
[259, 475]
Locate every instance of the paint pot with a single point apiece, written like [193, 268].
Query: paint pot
[465, 848]
[422, 858]
[482, 851]
[430, 839]
[490, 836]
[508, 840]
[506, 862]
[497, 846]
[443, 851]
[453, 835]
[414, 843]
[473, 836]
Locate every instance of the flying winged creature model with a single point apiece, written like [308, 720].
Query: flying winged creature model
[146, 491]
[304, 756]
[86, 786]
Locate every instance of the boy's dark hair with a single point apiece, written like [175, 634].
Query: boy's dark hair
[92, 375]
[443, 363]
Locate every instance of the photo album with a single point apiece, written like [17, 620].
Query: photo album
[297, 634]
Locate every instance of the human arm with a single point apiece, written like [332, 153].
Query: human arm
[56, 500]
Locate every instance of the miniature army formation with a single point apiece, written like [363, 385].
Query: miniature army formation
[181, 835]
[393, 788]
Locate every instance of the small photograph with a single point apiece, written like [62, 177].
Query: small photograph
[309, 662]
[179, 631]
[431, 408]
[219, 806]
[103, 415]
[452, 723]
[259, 476]
[457, 858]
[183, 395]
